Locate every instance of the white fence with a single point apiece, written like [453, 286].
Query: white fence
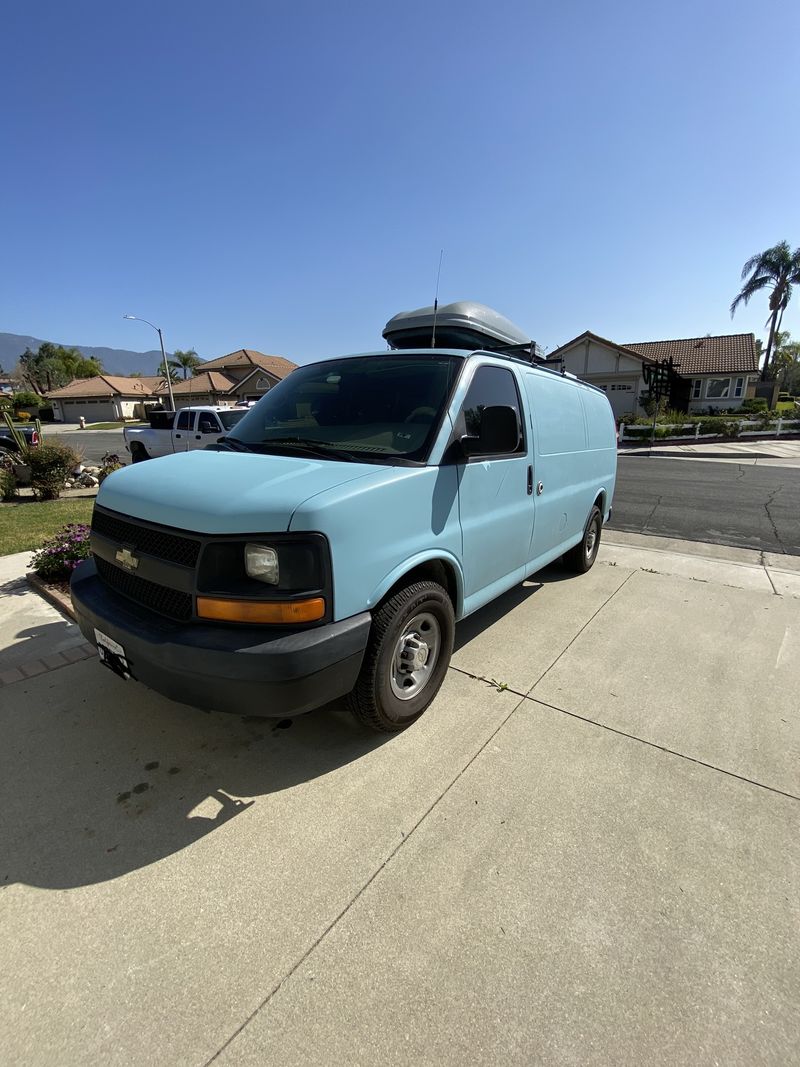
[690, 431]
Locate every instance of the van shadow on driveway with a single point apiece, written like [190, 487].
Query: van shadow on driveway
[481, 620]
[99, 777]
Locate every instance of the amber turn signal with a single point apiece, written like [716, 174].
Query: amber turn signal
[284, 613]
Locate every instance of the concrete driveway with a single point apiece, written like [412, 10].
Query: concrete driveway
[586, 850]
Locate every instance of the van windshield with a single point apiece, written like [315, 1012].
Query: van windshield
[382, 409]
[230, 418]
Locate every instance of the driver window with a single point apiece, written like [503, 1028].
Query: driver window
[207, 423]
[490, 386]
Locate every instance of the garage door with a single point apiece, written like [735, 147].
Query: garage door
[91, 410]
[622, 396]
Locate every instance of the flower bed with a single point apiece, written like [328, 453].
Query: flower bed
[57, 558]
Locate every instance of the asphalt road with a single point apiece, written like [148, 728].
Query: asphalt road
[94, 444]
[719, 503]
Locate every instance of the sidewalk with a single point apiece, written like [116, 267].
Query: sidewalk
[585, 851]
[769, 452]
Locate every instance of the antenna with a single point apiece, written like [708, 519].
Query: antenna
[436, 300]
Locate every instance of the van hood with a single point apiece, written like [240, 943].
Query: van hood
[224, 492]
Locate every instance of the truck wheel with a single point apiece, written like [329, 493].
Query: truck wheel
[138, 453]
[406, 659]
[581, 558]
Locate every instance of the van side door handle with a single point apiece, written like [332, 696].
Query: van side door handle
[530, 480]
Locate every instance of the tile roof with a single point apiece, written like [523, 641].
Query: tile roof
[728, 354]
[107, 385]
[243, 357]
[211, 381]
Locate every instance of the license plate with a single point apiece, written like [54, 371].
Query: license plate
[112, 654]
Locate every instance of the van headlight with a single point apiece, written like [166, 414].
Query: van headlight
[261, 563]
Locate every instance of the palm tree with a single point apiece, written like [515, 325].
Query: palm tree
[776, 270]
[188, 361]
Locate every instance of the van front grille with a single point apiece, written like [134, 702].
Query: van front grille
[148, 539]
[159, 598]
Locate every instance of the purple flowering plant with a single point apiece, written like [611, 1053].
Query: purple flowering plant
[57, 558]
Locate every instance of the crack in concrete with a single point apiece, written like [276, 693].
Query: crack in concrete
[767, 504]
[335, 921]
[652, 513]
[662, 748]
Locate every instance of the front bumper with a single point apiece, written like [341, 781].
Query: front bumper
[248, 671]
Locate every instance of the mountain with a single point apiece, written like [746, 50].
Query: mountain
[114, 360]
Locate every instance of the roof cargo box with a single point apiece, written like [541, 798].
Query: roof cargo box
[464, 324]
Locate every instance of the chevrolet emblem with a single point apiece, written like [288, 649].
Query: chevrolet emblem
[126, 558]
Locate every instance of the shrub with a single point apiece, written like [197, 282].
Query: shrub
[26, 399]
[8, 485]
[57, 558]
[709, 426]
[50, 466]
[750, 407]
[110, 463]
[729, 429]
[23, 416]
[676, 418]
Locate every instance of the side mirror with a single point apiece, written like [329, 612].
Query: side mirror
[499, 433]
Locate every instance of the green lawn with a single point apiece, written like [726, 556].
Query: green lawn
[27, 524]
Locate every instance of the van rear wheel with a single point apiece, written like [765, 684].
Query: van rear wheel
[581, 558]
[407, 657]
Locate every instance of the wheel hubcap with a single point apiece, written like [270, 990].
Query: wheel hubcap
[415, 655]
[591, 539]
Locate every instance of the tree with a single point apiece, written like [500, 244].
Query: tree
[52, 366]
[786, 360]
[187, 361]
[775, 270]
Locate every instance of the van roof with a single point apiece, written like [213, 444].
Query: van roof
[463, 353]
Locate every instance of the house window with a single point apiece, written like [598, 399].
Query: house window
[697, 388]
[718, 388]
[738, 389]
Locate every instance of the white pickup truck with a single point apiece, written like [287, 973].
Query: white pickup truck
[180, 431]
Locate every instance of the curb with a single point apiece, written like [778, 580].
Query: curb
[53, 596]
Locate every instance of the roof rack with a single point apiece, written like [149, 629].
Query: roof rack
[525, 352]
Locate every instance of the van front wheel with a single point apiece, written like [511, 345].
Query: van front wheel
[581, 558]
[407, 657]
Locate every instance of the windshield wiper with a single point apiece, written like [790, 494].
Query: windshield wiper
[324, 449]
[234, 444]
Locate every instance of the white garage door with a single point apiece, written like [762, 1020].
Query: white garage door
[622, 396]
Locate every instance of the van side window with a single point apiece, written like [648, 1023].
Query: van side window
[490, 386]
[184, 420]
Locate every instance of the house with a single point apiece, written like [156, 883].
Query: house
[233, 379]
[8, 386]
[713, 372]
[229, 380]
[104, 398]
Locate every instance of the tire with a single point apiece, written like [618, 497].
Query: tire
[138, 453]
[580, 559]
[419, 623]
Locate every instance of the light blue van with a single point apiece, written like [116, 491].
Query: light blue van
[328, 545]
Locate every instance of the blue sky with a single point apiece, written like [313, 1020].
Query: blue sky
[283, 176]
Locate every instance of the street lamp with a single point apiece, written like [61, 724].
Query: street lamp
[136, 318]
